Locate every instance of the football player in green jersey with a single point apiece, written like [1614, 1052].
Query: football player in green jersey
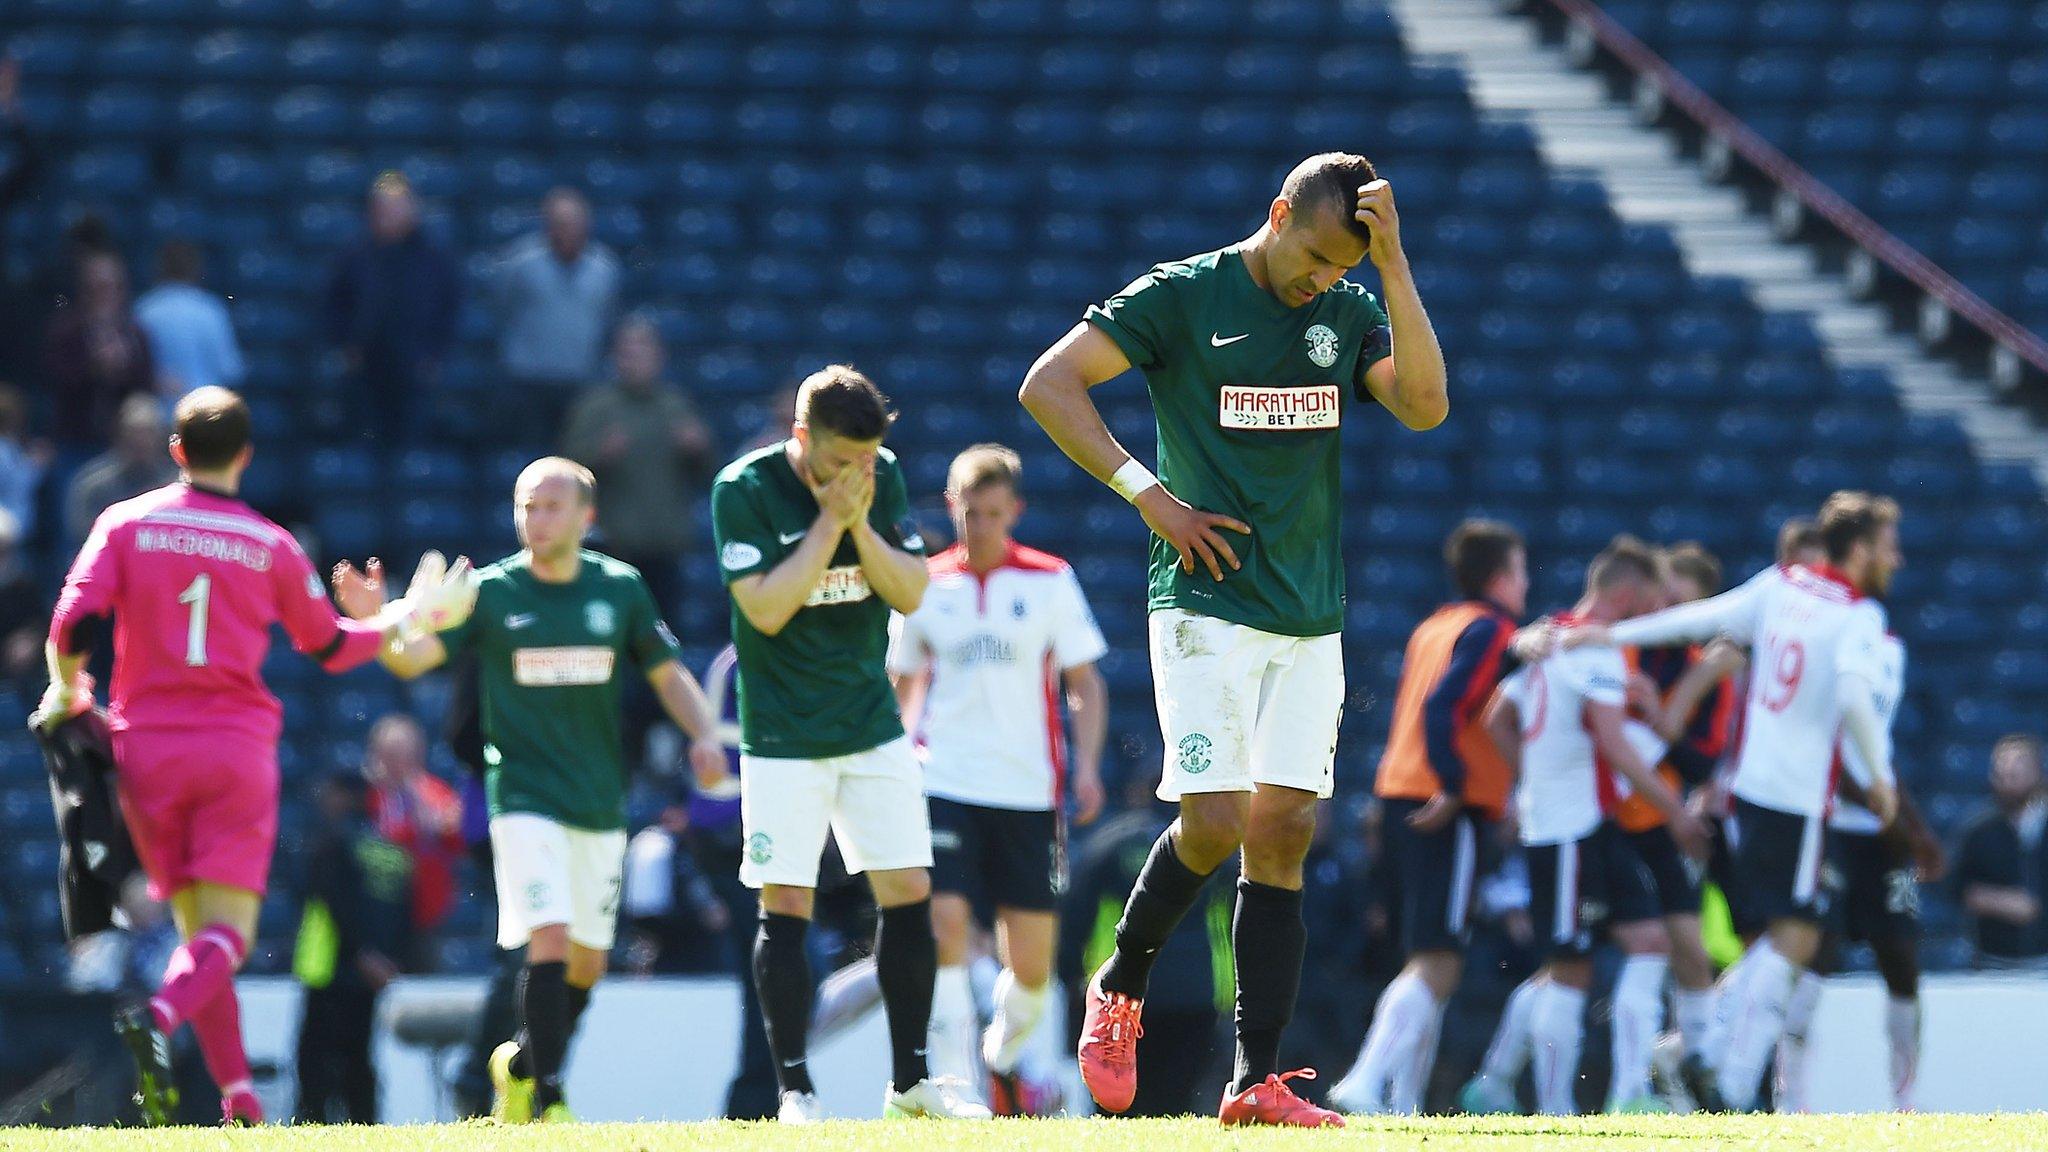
[1251, 354]
[816, 545]
[551, 626]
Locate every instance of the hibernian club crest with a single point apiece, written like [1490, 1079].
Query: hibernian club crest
[1322, 345]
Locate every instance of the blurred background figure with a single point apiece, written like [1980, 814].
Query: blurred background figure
[392, 306]
[2001, 873]
[95, 355]
[191, 338]
[352, 932]
[418, 811]
[553, 295]
[135, 463]
[675, 922]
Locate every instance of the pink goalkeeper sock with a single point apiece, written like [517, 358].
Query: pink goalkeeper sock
[218, 1027]
[200, 970]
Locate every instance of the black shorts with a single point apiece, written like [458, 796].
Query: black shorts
[1579, 889]
[1432, 877]
[998, 857]
[1876, 889]
[1777, 865]
[1676, 878]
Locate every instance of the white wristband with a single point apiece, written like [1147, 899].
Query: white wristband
[1132, 479]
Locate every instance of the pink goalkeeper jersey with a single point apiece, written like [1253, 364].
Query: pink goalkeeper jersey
[193, 581]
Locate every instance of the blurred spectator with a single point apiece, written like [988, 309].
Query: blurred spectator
[21, 164]
[553, 294]
[650, 451]
[130, 957]
[675, 921]
[95, 355]
[190, 334]
[137, 463]
[2001, 872]
[416, 810]
[392, 307]
[23, 462]
[355, 925]
[775, 420]
[24, 614]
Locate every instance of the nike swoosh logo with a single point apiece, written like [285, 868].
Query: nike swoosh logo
[792, 537]
[1217, 340]
[519, 620]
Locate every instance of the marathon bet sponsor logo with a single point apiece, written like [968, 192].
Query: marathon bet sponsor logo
[1279, 409]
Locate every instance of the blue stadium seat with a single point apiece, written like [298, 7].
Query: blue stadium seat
[422, 58]
[517, 62]
[405, 116]
[329, 57]
[605, 62]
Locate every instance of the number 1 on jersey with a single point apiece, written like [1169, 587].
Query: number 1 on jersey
[195, 629]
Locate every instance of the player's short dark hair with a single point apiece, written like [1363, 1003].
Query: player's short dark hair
[1849, 517]
[1690, 559]
[1624, 560]
[1477, 551]
[1797, 535]
[180, 260]
[982, 465]
[212, 424]
[840, 399]
[1330, 180]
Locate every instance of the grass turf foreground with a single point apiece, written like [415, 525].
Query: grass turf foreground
[1872, 1133]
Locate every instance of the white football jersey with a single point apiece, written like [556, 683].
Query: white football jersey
[1806, 628]
[1563, 789]
[995, 645]
[1890, 688]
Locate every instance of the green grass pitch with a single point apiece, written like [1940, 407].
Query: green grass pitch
[1877, 1133]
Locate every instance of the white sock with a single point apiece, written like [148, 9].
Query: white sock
[1509, 1052]
[1756, 1022]
[1902, 1025]
[1411, 1080]
[1638, 1017]
[954, 1025]
[1695, 1018]
[1018, 1010]
[1727, 995]
[1557, 1029]
[1792, 1078]
[1398, 1025]
[847, 997]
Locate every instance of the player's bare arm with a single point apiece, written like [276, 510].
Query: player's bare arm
[1055, 392]
[407, 652]
[1413, 383]
[769, 599]
[1607, 722]
[910, 692]
[1864, 727]
[1503, 723]
[684, 701]
[1088, 707]
[897, 576]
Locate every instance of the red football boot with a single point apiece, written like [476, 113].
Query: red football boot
[1273, 1102]
[1109, 1047]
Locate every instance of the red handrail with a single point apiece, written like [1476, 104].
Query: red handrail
[1817, 197]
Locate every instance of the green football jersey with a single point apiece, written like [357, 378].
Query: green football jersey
[820, 687]
[548, 683]
[1248, 395]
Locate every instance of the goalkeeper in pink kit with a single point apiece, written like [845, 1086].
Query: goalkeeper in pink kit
[188, 579]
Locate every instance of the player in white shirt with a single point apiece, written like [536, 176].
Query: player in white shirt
[1003, 633]
[1816, 641]
[1875, 877]
[1564, 722]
